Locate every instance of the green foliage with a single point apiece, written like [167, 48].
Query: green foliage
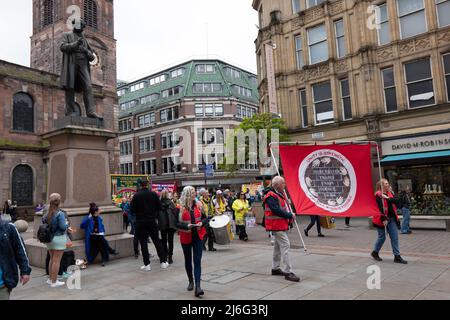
[258, 122]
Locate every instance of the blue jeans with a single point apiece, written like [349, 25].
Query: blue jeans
[405, 220]
[197, 248]
[393, 234]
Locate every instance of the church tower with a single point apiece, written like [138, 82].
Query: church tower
[50, 21]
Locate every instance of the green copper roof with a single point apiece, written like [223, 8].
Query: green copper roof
[186, 83]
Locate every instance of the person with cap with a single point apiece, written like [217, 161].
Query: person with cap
[220, 203]
[146, 205]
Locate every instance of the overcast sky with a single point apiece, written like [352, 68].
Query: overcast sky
[154, 34]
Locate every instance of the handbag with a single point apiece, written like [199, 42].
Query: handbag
[250, 221]
[6, 217]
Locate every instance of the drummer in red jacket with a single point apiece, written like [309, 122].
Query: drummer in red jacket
[277, 220]
[192, 231]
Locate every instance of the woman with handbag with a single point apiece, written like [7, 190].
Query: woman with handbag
[386, 221]
[191, 226]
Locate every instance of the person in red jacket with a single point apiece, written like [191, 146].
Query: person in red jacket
[277, 220]
[191, 227]
[387, 220]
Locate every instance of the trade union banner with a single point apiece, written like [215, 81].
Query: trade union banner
[332, 180]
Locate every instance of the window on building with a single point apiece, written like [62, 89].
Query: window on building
[23, 112]
[126, 168]
[390, 93]
[443, 11]
[209, 110]
[412, 17]
[125, 125]
[171, 164]
[126, 148]
[299, 52]
[447, 73]
[419, 82]
[169, 140]
[245, 112]
[148, 167]
[207, 87]
[177, 73]
[150, 98]
[171, 92]
[146, 120]
[232, 73]
[346, 101]
[317, 42]
[312, 3]
[384, 34]
[121, 92]
[147, 144]
[22, 185]
[242, 91]
[303, 107]
[128, 105]
[295, 6]
[340, 38]
[205, 68]
[323, 103]
[90, 13]
[169, 114]
[253, 80]
[137, 86]
[158, 79]
[210, 136]
[48, 13]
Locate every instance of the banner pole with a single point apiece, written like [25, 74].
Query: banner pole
[289, 205]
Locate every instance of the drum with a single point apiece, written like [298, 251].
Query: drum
[221, 226]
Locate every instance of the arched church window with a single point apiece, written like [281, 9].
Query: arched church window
[23, 112]
[22, 185]
[90, 13]
[48, 13]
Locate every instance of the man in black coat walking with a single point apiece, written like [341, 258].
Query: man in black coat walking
[146, 206]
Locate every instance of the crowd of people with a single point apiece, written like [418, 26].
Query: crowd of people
[160, 217]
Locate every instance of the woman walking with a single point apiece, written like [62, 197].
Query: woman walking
[314, 220]
[387, 220]
[241, 207]
[167, 221]
[192, 231]
[59, 226]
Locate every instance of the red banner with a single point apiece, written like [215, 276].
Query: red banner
[332, 180]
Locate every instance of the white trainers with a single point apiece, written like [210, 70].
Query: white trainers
[49, 282]
[57, 284]
[164, 265]
[146, 268]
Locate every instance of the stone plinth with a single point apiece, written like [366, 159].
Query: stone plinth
[79, 166]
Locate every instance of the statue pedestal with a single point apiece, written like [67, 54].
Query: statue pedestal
[79, 171]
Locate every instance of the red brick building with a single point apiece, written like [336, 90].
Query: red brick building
[31, 98]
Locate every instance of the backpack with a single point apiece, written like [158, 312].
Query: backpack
[45, 233]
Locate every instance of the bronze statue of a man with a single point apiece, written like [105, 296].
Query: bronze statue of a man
[76, 70]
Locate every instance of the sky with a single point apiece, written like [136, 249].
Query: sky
[154, 34]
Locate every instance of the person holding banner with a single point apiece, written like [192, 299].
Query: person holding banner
[278, 220]
[387, 220]
[314, 220]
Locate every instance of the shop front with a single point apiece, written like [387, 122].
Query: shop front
[422, 164]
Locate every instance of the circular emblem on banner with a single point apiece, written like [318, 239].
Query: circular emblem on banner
[328, 180]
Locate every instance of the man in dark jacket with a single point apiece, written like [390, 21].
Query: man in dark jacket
[146, 206]
[12, 257]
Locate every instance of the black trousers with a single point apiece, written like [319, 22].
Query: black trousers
[150, 229]
[347, 220]
[240, 230]
[314, 220]
[167, 240]
[209, 237]
[99, 244]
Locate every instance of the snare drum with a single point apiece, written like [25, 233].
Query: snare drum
[221, 226]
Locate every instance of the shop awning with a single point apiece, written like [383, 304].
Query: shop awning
[416, 156]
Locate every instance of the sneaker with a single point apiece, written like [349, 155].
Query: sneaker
[164, 265]
[49, 282]
[146, 268]
[321, 235]
[278, 272]
[292, 277]
[347, 226]
[213, 249]
[66, 275]
[57, 284]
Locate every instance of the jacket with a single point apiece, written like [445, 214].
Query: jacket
[68, 75]
[240, 208]
[13, 255]
[384, 203]
[185, 232]
[146, 206]
[88, 226]
[276, 216]
[59, 223]
[168, 216]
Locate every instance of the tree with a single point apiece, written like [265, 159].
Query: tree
[259, 124]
